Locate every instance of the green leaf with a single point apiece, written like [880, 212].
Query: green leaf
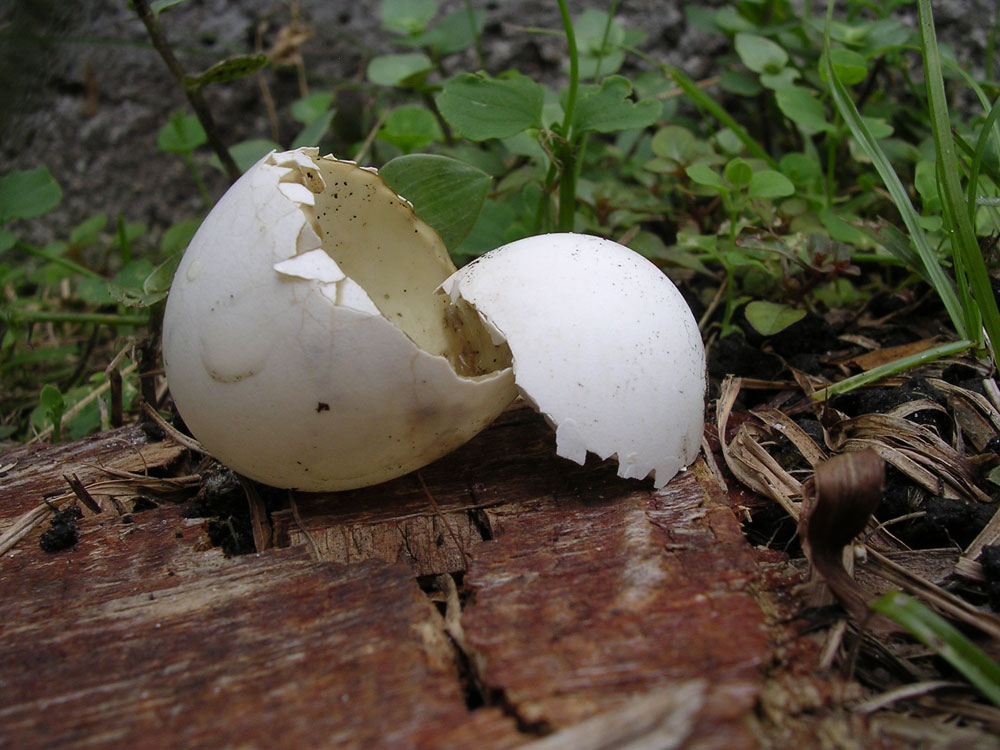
[740, 82]
[451, 34]
[309, 108]
[608, 108]
[177, 237]
[703, 174]
[851, 67]
[769, 183]
[674, 142]
[246, 154]
[738, 172]
[406, 17]
[411, 128]
[228, 70]
[183, 134]
[95, 290]
[156, 285]
[729, 19]
[802, 170]
[597, 52]
[158, 6]
[51, 399]
[589, 28]
[801, 106]
[313, 133]
[760, 54]
[7, 240]
[445, 193]
[25, 194]
[934, 631]
[133, 230]
[398, 70]
[87, 232]
[768, 318]
[52, 403]
[127, 285]
[480, 108]
[783, 78]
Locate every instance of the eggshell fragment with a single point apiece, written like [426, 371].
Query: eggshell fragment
[303, 340]
[603, 345]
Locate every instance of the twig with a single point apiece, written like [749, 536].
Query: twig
[302, 527]
[177, 436]
[369, 138]
[437, 511]
[81, 492]
[191, 91]
[23, 525]
[905, 692]
[258, 515]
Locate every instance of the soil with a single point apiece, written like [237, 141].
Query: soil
[85, 93]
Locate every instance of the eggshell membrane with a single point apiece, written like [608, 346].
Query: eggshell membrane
[603, 345]
[303, 342]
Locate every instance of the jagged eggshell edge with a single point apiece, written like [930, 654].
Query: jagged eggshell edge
[284, 368]
[603, 345]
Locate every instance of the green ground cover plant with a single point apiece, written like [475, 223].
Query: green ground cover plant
[820, 165]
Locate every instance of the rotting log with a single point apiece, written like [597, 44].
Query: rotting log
[589, 598]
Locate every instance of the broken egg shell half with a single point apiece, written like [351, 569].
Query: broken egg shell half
[603, 345]
[303, 339]
[317, 336]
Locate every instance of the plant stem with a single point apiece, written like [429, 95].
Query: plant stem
[703, 100]
[196, 176]
[566, 154]
[964, 246]
[192, 91]
[41, 252]
[20, 317]
[480, 57]
[123, 246]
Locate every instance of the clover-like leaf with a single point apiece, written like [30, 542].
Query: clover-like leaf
[26, 194]
[607, 108]
[445, 193]
[480, 107]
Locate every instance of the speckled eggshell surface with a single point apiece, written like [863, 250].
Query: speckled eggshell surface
[304, 343]
[603, 345]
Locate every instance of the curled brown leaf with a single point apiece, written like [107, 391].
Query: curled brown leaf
[837, 505]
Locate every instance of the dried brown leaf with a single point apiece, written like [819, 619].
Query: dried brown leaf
[846, 490]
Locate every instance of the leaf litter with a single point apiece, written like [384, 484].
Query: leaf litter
[890, 496]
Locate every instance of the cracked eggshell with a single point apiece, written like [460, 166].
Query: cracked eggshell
[603, 345]
[303, 340]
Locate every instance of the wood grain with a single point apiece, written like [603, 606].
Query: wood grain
[585, 593]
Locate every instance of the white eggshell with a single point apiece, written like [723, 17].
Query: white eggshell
[303, 340]
[603, 345]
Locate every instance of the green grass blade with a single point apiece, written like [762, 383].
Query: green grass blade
[891, 368]
[934, 631]
[977, 158]
[703, 100]
[965, 247]
[845, 105]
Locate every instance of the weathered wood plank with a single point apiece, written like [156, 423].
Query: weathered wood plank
[584, 601]
[587, 592]
[36, 472]
[594, 590]
[138, 637]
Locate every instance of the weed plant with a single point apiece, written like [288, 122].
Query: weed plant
[822, 164]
